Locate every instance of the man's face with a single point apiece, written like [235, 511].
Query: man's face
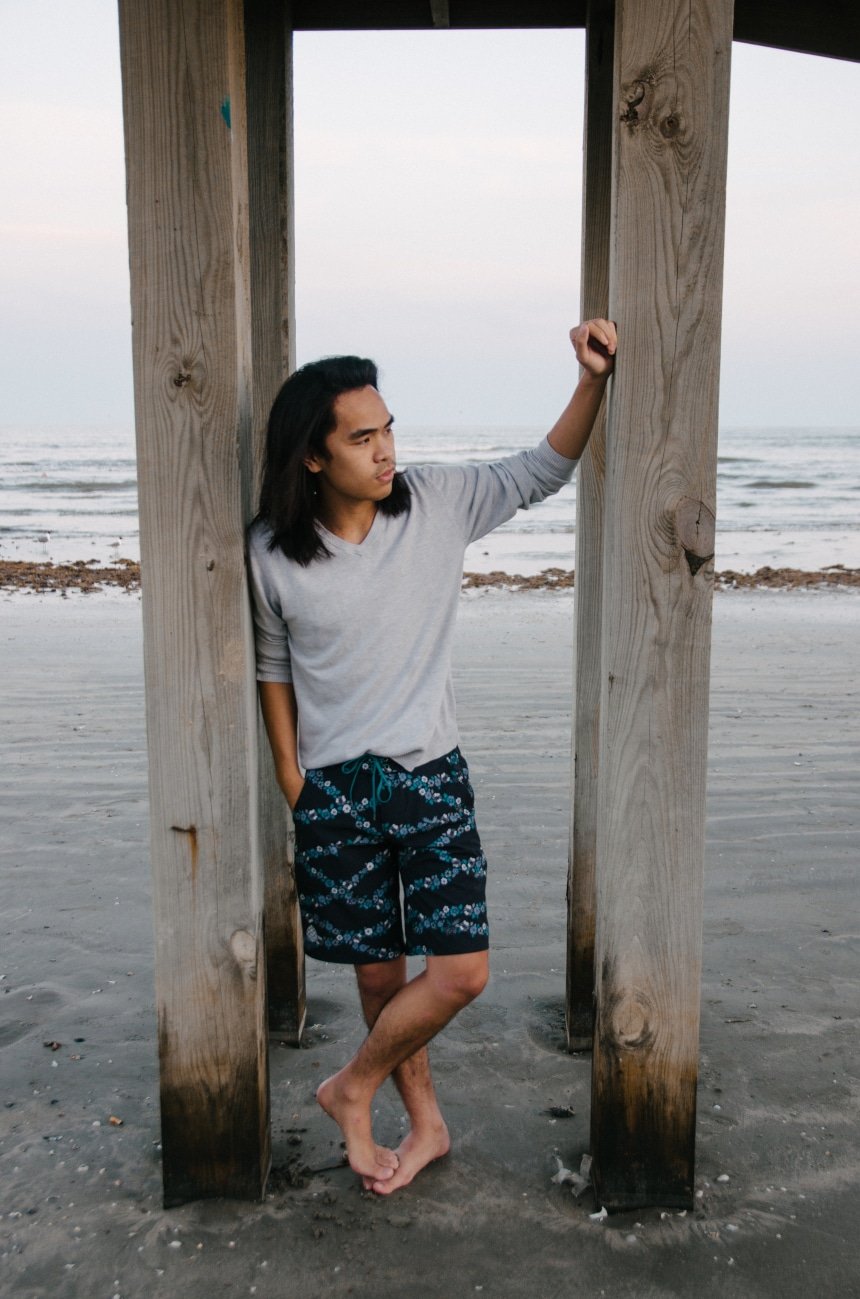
[361, 449]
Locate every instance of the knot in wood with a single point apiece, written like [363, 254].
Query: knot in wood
[695, 527]
[244, 949]
[631, 1023]
[633, 97]
[181, 379]
[670, 126]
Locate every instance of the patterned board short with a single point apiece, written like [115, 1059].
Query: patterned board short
[367, 826]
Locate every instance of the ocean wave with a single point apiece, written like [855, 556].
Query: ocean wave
[82, 491]
[783, 484]
[85, 486]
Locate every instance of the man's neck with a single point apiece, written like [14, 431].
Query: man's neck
[349, 520]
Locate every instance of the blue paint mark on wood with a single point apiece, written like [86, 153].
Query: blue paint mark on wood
[225, 111]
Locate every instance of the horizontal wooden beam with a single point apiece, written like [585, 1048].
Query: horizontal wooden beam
[440, 12]
[382, 15]
[832, 29]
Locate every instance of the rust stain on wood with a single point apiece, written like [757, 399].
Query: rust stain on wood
[191, 831]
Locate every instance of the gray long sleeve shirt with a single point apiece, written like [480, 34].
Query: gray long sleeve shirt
[365, 636]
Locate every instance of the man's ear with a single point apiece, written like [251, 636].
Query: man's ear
[313, 463]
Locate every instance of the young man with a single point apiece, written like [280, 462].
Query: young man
[355, 574]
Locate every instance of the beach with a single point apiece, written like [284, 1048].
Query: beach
[779, 1082]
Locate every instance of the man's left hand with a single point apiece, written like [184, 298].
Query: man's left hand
[595, 343]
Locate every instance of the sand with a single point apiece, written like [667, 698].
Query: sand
[779, 1087]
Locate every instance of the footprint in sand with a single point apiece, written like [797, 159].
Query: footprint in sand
[25, 1009]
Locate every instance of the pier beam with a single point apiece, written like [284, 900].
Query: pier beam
[269, 46]
[588, 591]
[670, 111]
[190, 249]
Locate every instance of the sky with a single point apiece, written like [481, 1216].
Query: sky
[438, 190]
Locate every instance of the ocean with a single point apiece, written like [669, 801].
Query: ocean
[785, 497]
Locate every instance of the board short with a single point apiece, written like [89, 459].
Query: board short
[389, 861]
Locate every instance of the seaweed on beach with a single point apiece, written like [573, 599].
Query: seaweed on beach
[87, 575]
[553, 579]
[81, 575]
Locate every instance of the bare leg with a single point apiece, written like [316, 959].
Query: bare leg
[428, 1137]
[405, 1024]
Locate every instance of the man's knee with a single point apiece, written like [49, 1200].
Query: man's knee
[459, 979]
[380, 979]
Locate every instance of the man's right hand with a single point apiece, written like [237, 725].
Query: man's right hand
[278, 702]
[292, 787]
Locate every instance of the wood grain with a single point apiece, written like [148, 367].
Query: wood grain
[185, 128]
[672, 62]
[268, 44]
[579, 1003]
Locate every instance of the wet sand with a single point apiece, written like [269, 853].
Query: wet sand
[779, 1080]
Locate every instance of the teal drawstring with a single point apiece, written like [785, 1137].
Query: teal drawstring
[381, 785]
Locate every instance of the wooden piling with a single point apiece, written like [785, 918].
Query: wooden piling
[268, 43]
[183, 65]
[594, 296]
[671, 80]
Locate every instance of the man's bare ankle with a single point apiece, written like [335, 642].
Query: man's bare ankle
[430, 1123]
[342, 1088]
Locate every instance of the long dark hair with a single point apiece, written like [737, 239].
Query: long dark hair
[301, 419]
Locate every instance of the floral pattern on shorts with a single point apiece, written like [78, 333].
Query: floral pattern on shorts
[369, 828]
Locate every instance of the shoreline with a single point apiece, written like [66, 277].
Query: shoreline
[41, 576]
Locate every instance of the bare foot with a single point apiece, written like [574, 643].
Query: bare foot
[353, 1118]
[416, 1151]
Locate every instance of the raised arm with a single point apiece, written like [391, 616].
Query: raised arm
[278, 702]
[594, 342]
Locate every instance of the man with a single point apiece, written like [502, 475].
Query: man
[355, 574]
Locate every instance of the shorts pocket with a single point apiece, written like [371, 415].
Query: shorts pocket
[303, 793]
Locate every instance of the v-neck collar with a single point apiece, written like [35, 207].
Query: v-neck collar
[351, 547]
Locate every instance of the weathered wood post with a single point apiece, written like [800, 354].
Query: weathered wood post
[268, 42]
[671, 79]
[579, 1004]
[183, 64]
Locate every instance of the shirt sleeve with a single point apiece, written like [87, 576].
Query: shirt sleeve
[271, 638]
[482, 496]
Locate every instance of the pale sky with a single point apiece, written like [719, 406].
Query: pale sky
[438, 215]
